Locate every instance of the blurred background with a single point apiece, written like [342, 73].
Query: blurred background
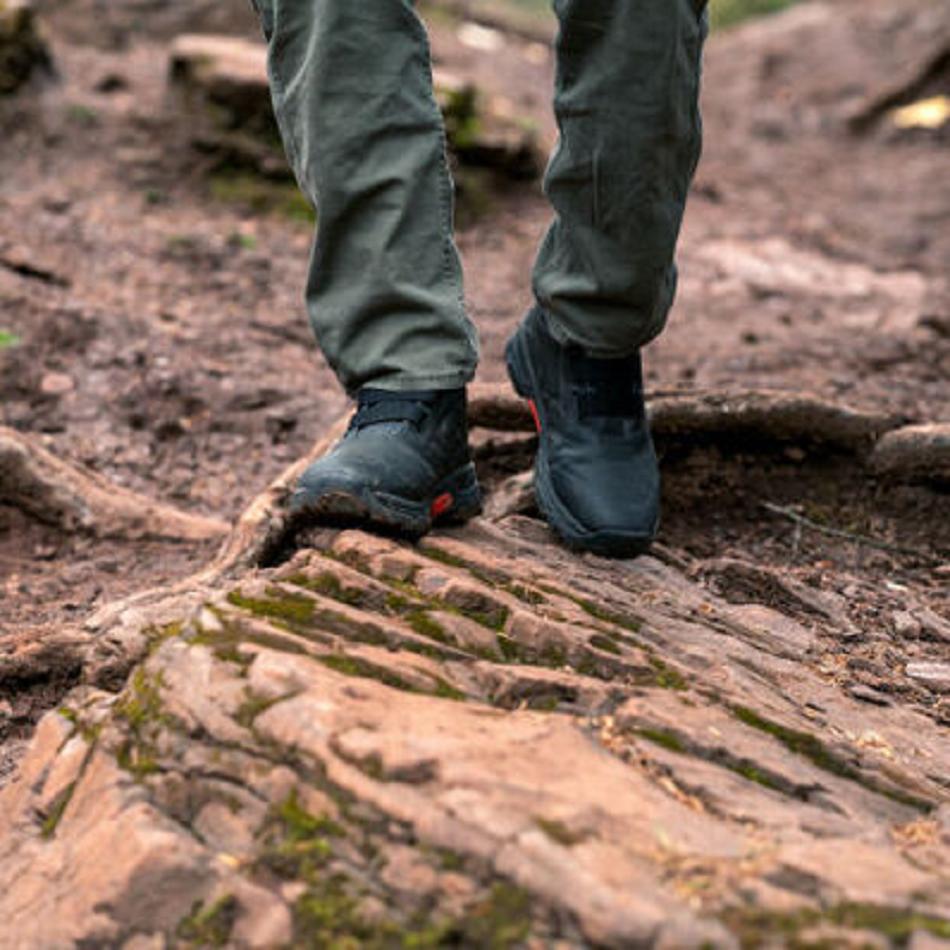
[153, 250]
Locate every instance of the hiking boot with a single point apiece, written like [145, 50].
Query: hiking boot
[596, 476]
[403, 464]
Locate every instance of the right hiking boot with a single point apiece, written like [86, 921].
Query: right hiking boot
[403, 465]
[597, 480]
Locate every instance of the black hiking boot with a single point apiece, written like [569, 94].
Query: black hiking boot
[596, 476]
[403, 464]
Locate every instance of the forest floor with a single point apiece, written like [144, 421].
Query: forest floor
[159, 336]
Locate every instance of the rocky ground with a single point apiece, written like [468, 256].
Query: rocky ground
[482, 741]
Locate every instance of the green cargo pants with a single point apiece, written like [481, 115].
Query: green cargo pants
[352, 89]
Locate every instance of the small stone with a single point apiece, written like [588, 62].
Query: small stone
[467, 633]
[868, 695]
[406, 872]
[62, 774]
[431, 581]
[914, 453]
[209, 621]
[935, 676]
[278, 785]
[933, 625]
[905, 624]
[292, 891]
[225, 828]
[264, 920]
[56, 384]
[145, 942]
[395, 566]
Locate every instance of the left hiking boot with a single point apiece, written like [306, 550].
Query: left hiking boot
[597, 480]
[403, 465]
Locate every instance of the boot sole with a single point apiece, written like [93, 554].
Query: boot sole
[612, 544]
[456, 500]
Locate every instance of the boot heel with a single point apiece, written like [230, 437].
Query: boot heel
[516, 368]
[459, 498]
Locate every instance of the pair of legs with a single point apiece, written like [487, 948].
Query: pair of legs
[352, 89]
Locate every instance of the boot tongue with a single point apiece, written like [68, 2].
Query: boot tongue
[607, 388]
[379, 406]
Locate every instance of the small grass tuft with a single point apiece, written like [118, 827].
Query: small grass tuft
[209, 926]
[277, 605]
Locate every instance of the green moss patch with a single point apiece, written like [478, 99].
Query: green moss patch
[277, 605]
[605, 615]
[427, 626]
[140, 708]
[364, 669]
[329, 916]
[660, 737]
[665, 676]
[209, 926]
[226, 643]
[812, 748]
[254, 706]
[559, 832]
[297, 844]
[262, 196]
[51, 821]
[601, 642]
[757, 929]
[724, 13]
[329, 585]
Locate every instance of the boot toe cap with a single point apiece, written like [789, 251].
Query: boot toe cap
[605, 509]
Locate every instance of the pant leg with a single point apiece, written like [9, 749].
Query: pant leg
[352, 88]
[626, 101]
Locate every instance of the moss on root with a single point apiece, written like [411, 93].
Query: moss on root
[756, 928]
[209, 926]
[559, 832]
[295, 610]
[329, 585]
[51, 821]
[357, 666]
[140, 708]
[328, 915]
[297, 844]
[812, 748]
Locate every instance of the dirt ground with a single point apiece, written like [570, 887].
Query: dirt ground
[163, 342]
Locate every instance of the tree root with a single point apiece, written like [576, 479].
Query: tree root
[906, 87]
[915, 454]
[76, 500]
[747, 416]
[259, 532]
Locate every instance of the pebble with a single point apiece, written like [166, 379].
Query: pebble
[936, 676]
[868, 695]
[56, 384]
[905, 624]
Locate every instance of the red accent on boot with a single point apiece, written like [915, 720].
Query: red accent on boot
[442, 504]
[534, 414]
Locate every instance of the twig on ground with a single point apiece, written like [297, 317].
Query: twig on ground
[861, 539]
